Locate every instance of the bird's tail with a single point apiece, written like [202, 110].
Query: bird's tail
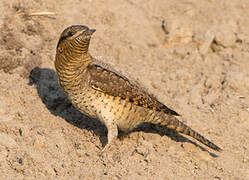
[173, 123]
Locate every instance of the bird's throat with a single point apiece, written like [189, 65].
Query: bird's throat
[70, 68]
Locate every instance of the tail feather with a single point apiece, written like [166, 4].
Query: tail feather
[173, 123]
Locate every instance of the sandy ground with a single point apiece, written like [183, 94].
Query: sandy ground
[199, 67]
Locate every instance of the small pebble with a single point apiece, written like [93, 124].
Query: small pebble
[20, 160]
[20, 132]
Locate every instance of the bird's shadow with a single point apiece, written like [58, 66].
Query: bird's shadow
[57, 103]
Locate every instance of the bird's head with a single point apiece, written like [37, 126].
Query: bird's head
[75, 40]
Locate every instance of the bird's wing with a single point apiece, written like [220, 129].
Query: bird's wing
[110, 82]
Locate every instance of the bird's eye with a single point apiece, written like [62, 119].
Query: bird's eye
[70, 33]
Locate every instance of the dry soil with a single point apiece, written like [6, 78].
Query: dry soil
[198, 66]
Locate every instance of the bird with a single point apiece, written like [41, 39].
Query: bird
[100, 92]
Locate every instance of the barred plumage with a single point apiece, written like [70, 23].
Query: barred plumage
[102, 93]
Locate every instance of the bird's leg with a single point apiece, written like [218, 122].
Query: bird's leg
[112, 134]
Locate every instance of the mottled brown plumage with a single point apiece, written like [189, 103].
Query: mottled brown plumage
[109, 82]
[101, 92]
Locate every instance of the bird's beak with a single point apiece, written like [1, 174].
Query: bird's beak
[87, 32]
[90, 31]
[83, 34]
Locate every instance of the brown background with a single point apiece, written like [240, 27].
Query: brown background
[200, 69]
